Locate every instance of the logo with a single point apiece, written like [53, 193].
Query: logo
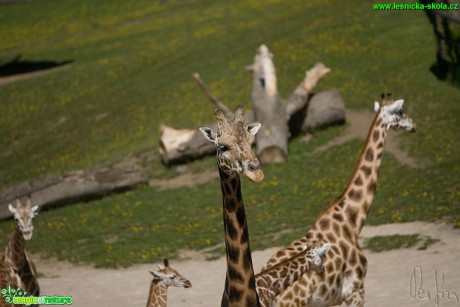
[19, 297]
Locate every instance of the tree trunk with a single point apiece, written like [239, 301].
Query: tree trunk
[269, 110]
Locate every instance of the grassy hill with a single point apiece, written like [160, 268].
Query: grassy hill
[131, 71]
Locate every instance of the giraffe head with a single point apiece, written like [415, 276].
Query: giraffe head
[317, 255]
[24, 215]
[393, 115]
[233, 142]
[169, 277]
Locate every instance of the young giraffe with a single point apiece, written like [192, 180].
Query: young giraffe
[15, 258]
[341, 223]
[164, 278]
[234, 157]
[274, 280]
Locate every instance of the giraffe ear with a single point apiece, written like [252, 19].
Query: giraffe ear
[161, 267]
[12, 209]
[322, 250]
[376, 106]
[156, 275]
[35, 209]
[209, 134]
[395, 106]
[253, 128]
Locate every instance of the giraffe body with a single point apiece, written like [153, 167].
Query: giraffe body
[345, 265]
[279, 277]
[162, 279]
[16, 260]
[234, 157]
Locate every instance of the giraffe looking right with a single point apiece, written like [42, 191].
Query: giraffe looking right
[164, 278]
[274, 280]
[341, 223]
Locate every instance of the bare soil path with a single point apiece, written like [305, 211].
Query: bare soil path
[401, 277]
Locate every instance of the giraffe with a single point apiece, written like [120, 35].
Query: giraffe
[234, 157]
[164, 278]
[341, 222]
[274, 280]
[15, 258]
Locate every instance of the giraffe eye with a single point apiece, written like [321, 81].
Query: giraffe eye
[223, 148]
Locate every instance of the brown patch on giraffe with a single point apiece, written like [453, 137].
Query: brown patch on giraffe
[358, 181]
[347, 234]
[329, 267]
[341, 203]
[369, 155]
[371, 187]
[366, 170]
[338, 217]
[330, 280]
[241, 217]
[351, 215]
[353, 258]
[233, 253]
[323, 290]
[360, 272]
[380, 145]
[335, 249]
[247, 259]
[336, 228]
[375, 135]
[331, 238]
[234, 275]
[337, 263]
[355, 195]
[345, 249]
[230, 229]
[324, 224]
[319, 236]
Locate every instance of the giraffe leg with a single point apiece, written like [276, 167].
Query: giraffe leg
[356, 299]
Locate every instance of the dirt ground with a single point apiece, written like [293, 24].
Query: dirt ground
[401, 277]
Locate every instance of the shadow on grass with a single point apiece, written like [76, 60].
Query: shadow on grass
[18, 66]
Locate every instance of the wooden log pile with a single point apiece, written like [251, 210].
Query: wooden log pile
[280, 118]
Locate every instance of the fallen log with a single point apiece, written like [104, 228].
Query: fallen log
[75, 186]
[323, 109]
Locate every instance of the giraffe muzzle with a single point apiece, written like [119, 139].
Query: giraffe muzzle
[255, 176]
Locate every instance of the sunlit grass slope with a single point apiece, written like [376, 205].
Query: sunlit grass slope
[132, 68]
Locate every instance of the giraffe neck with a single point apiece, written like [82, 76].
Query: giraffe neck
[281, 276]
[357, 197]
[157, 295]
[15, 249]
[240, 286]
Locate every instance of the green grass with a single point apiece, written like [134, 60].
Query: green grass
[132, 71]
[380, 244]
